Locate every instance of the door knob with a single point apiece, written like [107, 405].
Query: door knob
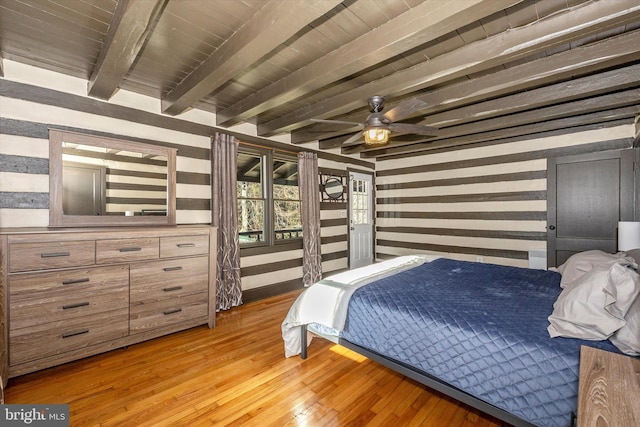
[552, 227]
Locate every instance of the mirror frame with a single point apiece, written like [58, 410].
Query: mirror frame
[57, 218]
[334, 196]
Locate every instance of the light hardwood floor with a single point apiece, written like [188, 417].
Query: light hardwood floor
[236, 374]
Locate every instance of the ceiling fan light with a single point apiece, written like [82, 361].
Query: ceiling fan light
[376, 136]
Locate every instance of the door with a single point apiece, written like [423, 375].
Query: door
[360, 219]
[586, 197]
[83, 189]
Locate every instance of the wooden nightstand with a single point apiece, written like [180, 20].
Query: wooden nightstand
[609, 391]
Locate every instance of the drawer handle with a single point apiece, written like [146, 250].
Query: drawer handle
[172, 268]
[76, 305]
[54, 254]
[173, 288]
[172, 311]
[74, 281]
[186, 245]
[73, 334]
[130, 249]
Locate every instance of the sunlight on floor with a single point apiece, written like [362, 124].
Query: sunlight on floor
[343, 351]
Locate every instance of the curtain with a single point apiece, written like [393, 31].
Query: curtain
[224, 153]
[309, 184]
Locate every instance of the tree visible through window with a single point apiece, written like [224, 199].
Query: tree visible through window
[286, 200]
[268, 198]
[251, 197]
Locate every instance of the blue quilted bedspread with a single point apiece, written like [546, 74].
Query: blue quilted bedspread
[479, 327]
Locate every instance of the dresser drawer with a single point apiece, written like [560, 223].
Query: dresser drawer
[176, 246]
[55, 296]
[150, 315]
[167, 279]
[168, 292]
[125, 250]
[49, 255]
[49, 339]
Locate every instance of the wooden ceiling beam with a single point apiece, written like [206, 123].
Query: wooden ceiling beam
[609, 102]
[502, 113]
[571, 24]
[132, 23]
[507, 134]
[321, 133]
[271, 26]
[569, 64]
[419, 25]
[563, 127]
[615, 80]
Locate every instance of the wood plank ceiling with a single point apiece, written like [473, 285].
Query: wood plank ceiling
[486, 69]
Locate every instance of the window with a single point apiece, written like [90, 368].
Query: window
[268, 198]
[286, 200]
[251, 197]
[360, 202]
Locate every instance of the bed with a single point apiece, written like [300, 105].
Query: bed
[480, 333]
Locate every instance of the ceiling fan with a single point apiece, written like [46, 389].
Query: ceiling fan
[376, 129]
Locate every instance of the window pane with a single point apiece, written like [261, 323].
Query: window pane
[251, 203]
[251, 220]
[287, 220]
[250, 176]
[286, 200]
[285, 180]
[360, 202]
[268, 197]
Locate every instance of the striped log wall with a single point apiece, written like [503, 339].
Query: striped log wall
[486, 202]
[33, 100]
[333, 222]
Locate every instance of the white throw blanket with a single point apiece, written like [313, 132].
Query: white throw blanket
[326, 302]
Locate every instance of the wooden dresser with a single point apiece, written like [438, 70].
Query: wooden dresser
[609, 392]
[70, 293]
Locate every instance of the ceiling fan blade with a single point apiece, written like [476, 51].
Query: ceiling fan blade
[417, 129]
[338, 122]
[355, 139]
[404, 109]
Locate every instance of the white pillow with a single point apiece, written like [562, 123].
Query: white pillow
[593, 306]
[627, 338]
[582, 262]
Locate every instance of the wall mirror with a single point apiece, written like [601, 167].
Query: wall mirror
[99, 181]
[333, 188]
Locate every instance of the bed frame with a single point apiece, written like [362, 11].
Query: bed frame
[423, 378]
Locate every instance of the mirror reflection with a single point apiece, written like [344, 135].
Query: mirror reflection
[107, 181]
[333, 187]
